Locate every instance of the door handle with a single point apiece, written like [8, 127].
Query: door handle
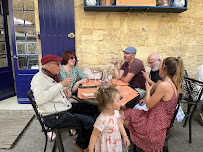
[71, 35]
[15, 56]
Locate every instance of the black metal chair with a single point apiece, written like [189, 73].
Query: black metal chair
[58, 141]
[193, 91]
[165, 147]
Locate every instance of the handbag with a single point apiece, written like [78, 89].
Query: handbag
[92, 73]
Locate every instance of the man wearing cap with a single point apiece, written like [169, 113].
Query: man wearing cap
[51, 99]
[130, 71]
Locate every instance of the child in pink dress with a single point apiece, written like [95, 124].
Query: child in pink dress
[106, 136]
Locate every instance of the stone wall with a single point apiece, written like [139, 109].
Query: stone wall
[102, 35]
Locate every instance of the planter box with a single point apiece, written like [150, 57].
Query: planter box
[136, 2]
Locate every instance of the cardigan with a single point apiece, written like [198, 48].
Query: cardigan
[49, 95]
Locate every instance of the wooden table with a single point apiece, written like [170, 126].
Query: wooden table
[94, 83]
[130, 96]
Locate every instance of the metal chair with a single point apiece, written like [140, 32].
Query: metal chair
[165, 147]
[58, 141]
[193, 91]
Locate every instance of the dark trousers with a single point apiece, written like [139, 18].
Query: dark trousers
[86, 113]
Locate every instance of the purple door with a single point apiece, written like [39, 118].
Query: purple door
[24, 45]
[57, 27]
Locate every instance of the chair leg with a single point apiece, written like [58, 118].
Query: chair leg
[187, 115]
[190, 122]
[134, 148]
[54, 147]
[165, 148]
[45, 145]
[59, 141]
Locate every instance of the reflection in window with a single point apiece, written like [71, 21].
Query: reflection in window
[2, 48]
[33, 62]
[32, 48]
[3, 61]
[18, 18]
[20, 48]
[1, 21]
[29, 18]
[20, 33]
[17, 5]
[31, 33]
[2, 38]
[22, 62]
[25, 34]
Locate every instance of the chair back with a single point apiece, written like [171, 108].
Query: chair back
[34, 105]
[175, 113]
[192, 89]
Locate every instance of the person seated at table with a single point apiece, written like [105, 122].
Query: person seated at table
[130, 71]
[199, 77]
[148, 128]
[51, 96]
[153, 61]
[69, 69]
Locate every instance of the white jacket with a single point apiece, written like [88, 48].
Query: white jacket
[49, 94]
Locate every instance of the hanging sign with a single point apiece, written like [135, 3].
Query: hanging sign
[136, 2]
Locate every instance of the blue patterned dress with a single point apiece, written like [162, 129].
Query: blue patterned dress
[76, 72]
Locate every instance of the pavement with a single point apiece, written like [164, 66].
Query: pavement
[32, 139]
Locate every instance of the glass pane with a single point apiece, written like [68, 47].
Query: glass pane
[20, 48]
[20, 33]
[17, 5]
[31, 33]
[18, 18]
[29, 18]
[28, 4]
[2, 48]
[2, 37]
[1, 21]
[32, 48]
[33, 62]
[3, 61]
[1, 10]
[22, 62]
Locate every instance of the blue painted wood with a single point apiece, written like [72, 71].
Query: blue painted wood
[56, 22]
[22, 77]
[6, 74]
[114, 8]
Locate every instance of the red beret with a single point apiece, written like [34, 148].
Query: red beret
[50, 58]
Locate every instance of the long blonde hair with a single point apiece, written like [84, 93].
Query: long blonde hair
[175, 70]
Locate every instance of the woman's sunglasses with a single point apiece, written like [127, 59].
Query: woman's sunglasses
[72, 57]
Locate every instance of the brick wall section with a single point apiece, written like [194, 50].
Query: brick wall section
[102, 35]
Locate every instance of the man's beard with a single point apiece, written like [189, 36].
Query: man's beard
[156, 68]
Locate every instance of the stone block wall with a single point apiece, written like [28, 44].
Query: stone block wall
[102, 35]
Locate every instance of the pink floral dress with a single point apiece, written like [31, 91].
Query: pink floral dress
[148, 128]
[109, 139]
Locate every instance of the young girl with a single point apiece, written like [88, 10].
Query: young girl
[106, 135]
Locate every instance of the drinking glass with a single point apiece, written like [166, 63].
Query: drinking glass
[114, 82]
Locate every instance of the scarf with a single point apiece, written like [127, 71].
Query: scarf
[55, 77]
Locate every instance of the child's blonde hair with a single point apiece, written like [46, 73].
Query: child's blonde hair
[105, 95]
